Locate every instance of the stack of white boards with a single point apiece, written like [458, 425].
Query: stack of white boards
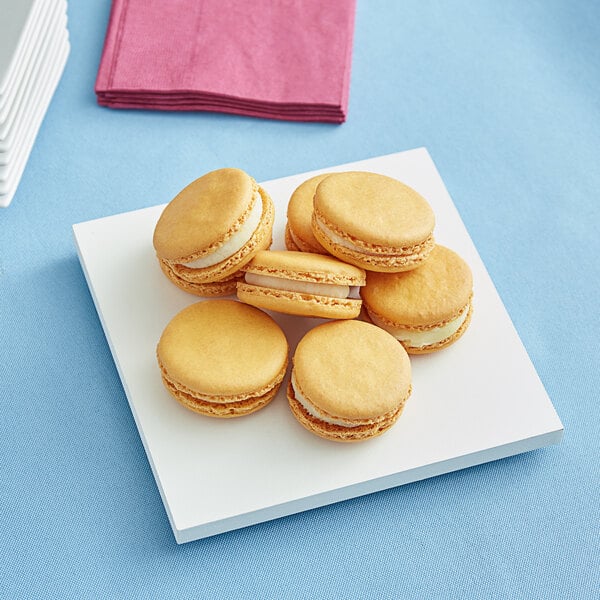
[34, 46]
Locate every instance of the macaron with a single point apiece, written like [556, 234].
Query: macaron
[426, 309]
[211, 229]
[302, 283]
[372, 221]
[350, 381]
[222, 358]
[298, 230]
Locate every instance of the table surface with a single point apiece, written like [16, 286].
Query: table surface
[505, 97]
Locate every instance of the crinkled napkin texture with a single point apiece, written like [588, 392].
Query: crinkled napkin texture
[279, 60]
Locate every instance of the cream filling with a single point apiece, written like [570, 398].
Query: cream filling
[340, 241]
[237, 241]
[310, 409]
[418, 339]
[331, 290]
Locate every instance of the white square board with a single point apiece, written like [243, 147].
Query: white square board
[476, 401]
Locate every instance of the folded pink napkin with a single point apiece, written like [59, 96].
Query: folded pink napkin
[280, 59]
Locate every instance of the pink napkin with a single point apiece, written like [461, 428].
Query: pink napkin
[278, 59]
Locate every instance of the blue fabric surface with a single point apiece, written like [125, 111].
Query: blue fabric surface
[505, 96]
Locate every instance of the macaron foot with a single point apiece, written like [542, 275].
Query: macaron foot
[223, 410]
[338, 433]
[207, 289]
[442, 343]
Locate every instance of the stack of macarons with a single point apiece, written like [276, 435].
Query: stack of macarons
[360, 253]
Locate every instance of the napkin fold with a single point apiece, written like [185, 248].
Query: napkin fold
[277, 59]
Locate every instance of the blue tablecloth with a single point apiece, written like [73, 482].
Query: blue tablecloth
[506, 97]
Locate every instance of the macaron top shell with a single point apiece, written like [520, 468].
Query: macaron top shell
[373, 208]
[204, 214]
[223, 348]
[436, 291]
[352, 370]
[304, 266]
[299, 212]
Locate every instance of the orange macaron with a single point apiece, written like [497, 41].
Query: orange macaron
[302, 283]
[211, 229]
[425, 309]
[372, 221]
[222, 358]
[298, 230]
[350, 381]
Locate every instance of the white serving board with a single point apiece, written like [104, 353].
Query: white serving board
[18, 21]
[476, 401]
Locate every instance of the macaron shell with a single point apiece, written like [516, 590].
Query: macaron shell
[290, 244]
[225, 287]
[406, 259]
[369, 208]
[339, 433]
[221, 410]
[293, 242]
[295, 303]
[202, 214]
[299, 216]
[429, 348]
[445, 342]
[261, 239]
[305, 266]
[352, 370]
[223, 351]
[434, 293]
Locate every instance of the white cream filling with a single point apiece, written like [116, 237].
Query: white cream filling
[416, 338]
[340, 241]
[237, 241]
[354, 293]
[310, 408]
[331, 290]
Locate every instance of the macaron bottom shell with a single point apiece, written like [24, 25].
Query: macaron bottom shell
[225, 287]
[295, 303]
[236, 408]
[295, 242]
[429, 348]
[341, 433]
[290, 243]
[389, 260]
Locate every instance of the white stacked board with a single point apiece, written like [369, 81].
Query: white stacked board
[34, 46]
